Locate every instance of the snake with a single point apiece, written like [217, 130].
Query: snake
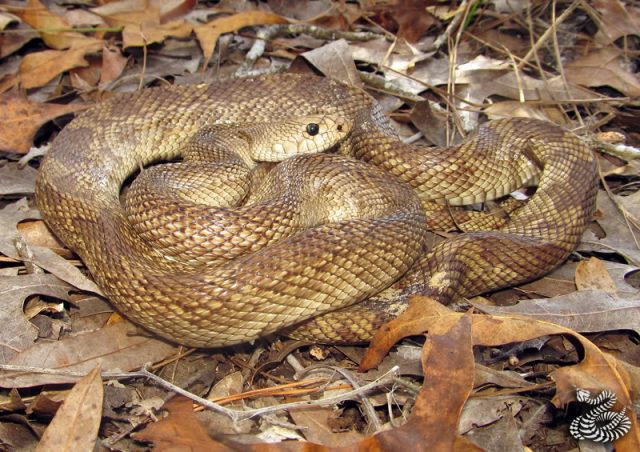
[599, 423]
[327, 244]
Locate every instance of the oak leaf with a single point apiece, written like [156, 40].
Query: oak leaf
[20, 119]
[209, 33]
[597, 370]
[38, 69]
[75, 425]
[51, 27]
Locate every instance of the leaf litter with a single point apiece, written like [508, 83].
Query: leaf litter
[500, 377]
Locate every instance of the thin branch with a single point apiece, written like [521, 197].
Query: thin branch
[233, 414]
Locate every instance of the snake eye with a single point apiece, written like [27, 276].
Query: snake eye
[313, 129]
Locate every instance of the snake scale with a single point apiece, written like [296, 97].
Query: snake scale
[354, 247]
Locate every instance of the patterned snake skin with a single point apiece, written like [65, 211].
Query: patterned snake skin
[353, 249]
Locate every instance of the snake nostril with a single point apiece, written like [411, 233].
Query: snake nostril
[339, 127]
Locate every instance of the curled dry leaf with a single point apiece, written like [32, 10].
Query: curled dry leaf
[75, 425]
[592, 274]
[604, 67]
[16, 180]
[17, 333]
[588, 311]
[621, 235]
[45, 258]
[113, 63]
[180, 430]
[209, 33]
[616, 20]
[118, 347]
[595, 372]
[38, 69]
[335, 61]
[20, 119]
[447, 363]
[52, 27]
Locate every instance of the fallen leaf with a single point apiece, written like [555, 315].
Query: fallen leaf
[616, 20]
[36, 233]
[11, 42]
[17, 333]
[37, 69]
[335, 61]
[75, 425]
[114, 348]
[181, 430]
[39, 17]
[592, 274]
[113, 63]
[621, 235]
[313, 421]
[45, 258]
[595, 372]
[20, 119]
[209, 33]
[586, 311]
[16, 180]
[149, 32]
[447, 363]
[168, 9]
[604, 67]
[562, 280]
[413, 19]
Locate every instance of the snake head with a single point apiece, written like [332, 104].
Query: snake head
[582, 395]
[302, 135]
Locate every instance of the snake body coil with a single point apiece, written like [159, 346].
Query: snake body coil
[352, 246]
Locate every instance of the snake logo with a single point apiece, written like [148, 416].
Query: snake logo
[599, 423]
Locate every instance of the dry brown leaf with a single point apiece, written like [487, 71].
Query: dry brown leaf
[17, 333]
[114, 347]
[616, 20]
[20, 119]
[335, 61]
[36, 233]
[562, 280]
[447, 363]
[168, 9]
[209, 33]
[138, 35]
[181, 430]
[16, 180]
[39, 17]
[11, 42]
[592, 274]
[595, 372]
[621, 235]
[586, 311]
[45, 258]
[113, 63]
[314, 422]
[604, 67]
[413, 19]
[75, 425]
[37, 69]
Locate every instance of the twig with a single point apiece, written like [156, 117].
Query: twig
[370, 412]
[444, 37]
[233, 414]
[266, 34]
[539, 43]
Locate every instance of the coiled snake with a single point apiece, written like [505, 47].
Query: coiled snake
[352, 248]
